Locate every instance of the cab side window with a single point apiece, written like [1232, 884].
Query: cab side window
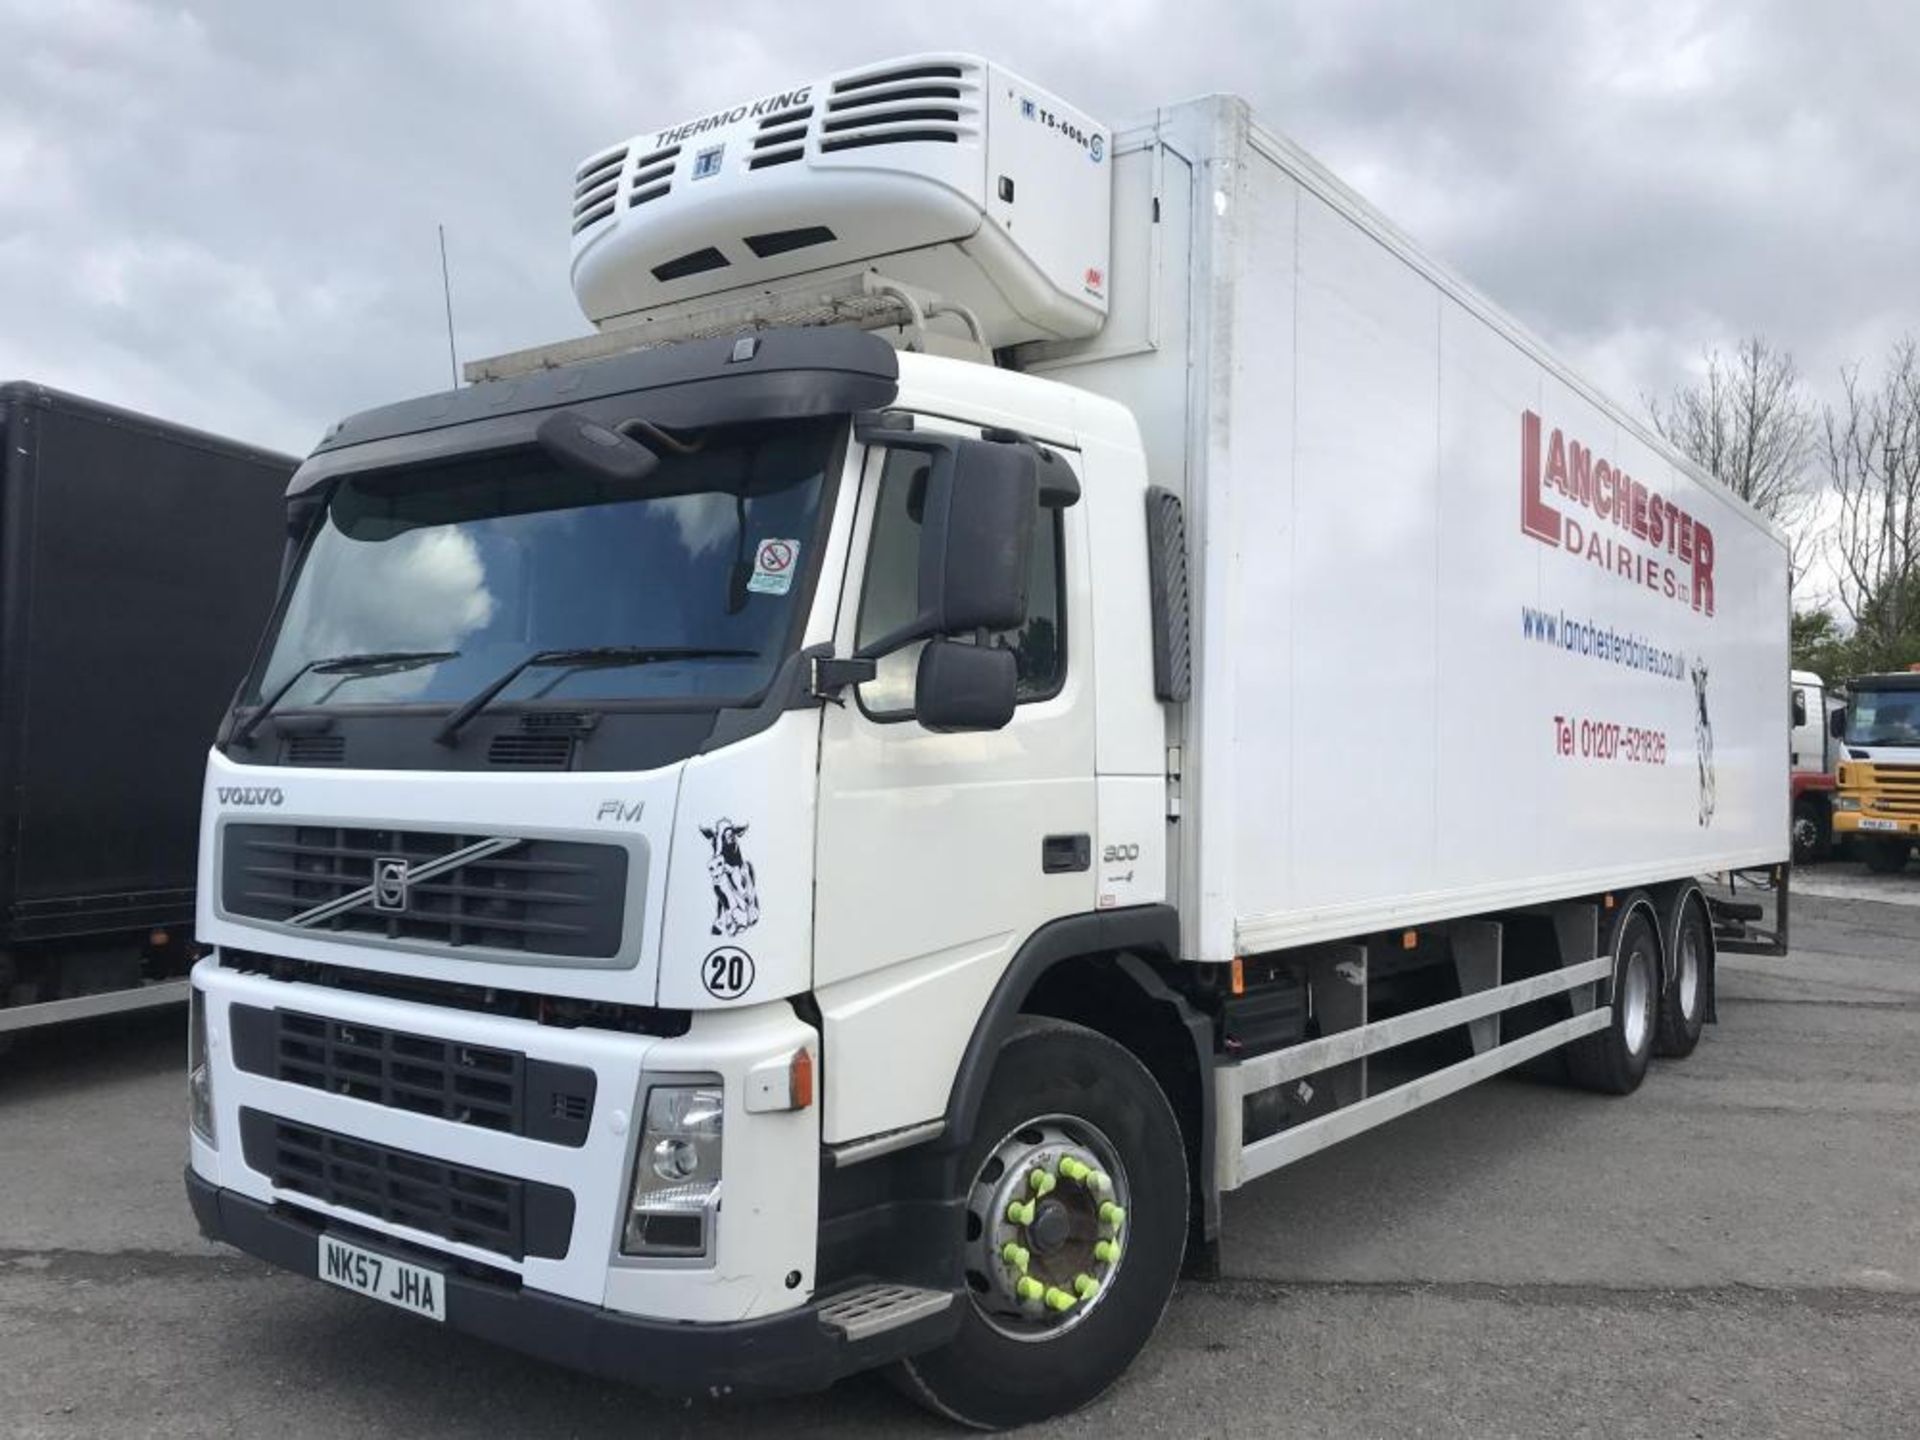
[891, 597]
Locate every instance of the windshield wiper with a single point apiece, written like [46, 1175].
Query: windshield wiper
[372, 661]
[592, 657]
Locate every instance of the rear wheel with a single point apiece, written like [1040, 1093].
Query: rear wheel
[1614, 1060]
[1683, 1004]
[1887, 857]
[1076, 1219]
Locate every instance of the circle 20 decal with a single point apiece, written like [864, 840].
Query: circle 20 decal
[727, 972]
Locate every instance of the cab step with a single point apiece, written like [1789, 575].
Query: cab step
[875, 1309]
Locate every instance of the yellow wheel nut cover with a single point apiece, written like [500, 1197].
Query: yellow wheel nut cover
[1086, 1286]
[1020, 1213]
[1029, 1288]
[1041, 1180]
[1107, 1251]
[1017, 1256]
[1060, 1300]
[1111, 1214]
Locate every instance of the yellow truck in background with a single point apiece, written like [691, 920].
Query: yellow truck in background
[1878, 800]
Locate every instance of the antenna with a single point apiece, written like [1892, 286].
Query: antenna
[446, 289]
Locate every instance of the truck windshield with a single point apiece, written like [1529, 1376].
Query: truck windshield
[494, 561]
[1884, 717]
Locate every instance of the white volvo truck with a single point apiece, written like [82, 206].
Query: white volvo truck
[1026, 676]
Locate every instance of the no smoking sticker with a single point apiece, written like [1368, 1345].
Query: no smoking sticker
[773, 566]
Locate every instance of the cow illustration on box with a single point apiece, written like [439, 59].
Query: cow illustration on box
[1703, 742]
[736, 895]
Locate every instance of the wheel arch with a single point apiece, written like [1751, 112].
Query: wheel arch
[1108, 971]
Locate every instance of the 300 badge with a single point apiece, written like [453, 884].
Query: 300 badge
[727, 972]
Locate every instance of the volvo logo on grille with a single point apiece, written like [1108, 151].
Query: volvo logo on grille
[390, 884]
[394, 878]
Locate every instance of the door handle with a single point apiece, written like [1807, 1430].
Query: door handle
[1064, 854]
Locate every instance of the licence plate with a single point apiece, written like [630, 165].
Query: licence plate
[1879, 824]
[411, 1287]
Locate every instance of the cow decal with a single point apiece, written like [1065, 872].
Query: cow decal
[1703, 743]
[736, 895]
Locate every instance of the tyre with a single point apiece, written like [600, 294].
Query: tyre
[1076, 1222]
[1812, 832]
[1614, 1060]
[1683, 1001]
[1886, 857]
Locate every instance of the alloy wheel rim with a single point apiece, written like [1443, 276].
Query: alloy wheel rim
[1046, 1226]
[1636, 1000]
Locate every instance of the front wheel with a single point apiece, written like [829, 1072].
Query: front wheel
[1812, 833]
[1076, 1216]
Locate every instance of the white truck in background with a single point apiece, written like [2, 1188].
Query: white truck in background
[1815, 764]
[1026, 676]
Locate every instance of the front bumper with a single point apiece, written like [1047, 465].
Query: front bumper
[1857, 822]
[780, 1354]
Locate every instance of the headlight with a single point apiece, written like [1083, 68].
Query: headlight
[199, 1074]
[676, 1172]
[1846, 802]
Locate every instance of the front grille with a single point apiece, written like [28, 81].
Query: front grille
[1896, 788]
[469, 1084]
[542, 897]
[499, 1213]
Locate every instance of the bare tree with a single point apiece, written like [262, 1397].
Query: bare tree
[1872, 459]
[1748, 423]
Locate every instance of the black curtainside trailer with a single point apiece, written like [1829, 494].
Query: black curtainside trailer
[137, 566]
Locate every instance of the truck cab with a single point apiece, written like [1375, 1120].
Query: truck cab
[1877, 736]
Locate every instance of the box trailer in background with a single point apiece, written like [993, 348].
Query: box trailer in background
[869, 836]
[137, 567]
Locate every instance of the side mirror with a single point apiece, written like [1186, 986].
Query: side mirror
[961, 686]
[978, 516]
[590, 448]
[1799, 707]
[1837, 724]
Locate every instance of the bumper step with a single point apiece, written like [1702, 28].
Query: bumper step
[875, 1309]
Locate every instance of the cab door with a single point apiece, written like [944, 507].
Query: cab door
[938, 854]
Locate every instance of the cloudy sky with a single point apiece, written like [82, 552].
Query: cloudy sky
[225, 213]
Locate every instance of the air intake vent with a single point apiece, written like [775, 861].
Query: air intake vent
[594, 186]
[779, 242]
[653, 176]
[314, 750]
[901, 106]
[697, 262]
[519, 750]
[780, 138]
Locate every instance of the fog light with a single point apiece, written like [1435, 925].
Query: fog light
[199, 1073]
[676, 1180]
[1846, 802]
